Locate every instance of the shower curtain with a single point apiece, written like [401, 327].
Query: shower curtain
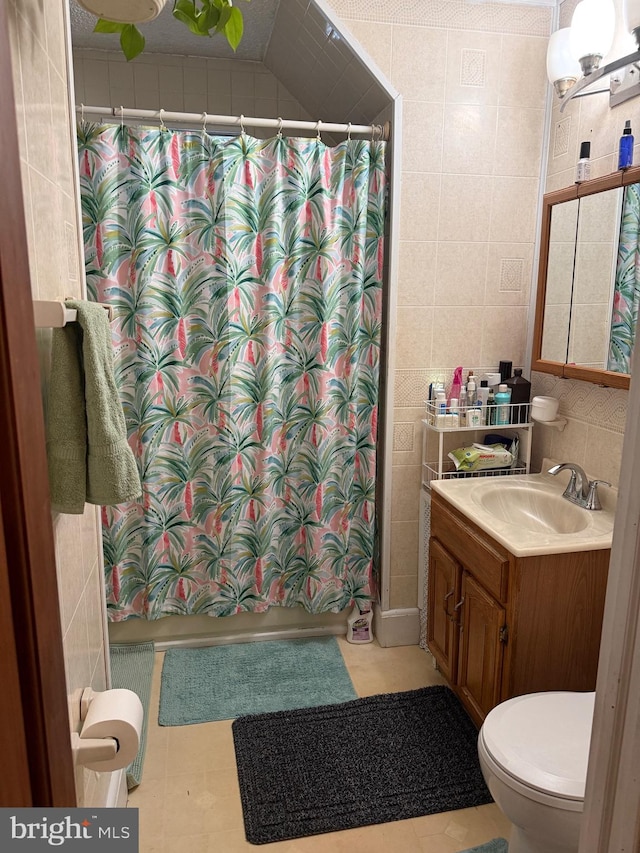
[245, 275]
[626, 294]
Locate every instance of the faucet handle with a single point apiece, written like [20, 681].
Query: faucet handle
[593, 499]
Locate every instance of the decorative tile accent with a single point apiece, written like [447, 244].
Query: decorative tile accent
[561, 137]
[511, 275]
[472, 67]
[403, 436]
[411, 387]
[603, 407]
[514, 18]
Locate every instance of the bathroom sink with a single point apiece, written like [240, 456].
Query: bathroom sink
[535, 509]
[528, 515]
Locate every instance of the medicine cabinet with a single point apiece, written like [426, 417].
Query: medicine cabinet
[579, 249]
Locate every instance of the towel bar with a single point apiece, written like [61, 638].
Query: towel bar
[56, 314]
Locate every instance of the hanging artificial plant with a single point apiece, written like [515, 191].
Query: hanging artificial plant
[203, 17]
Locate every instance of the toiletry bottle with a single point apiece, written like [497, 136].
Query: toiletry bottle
[441, 409]
[491, 408]
[453, 417]
[583, 169]
[625, 151]
[483, 396]
[505, 370]
[503, 411]
[520, 394]
[456, 385]
[471, 391]
[462, 406]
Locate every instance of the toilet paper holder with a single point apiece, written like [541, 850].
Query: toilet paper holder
[90, 750]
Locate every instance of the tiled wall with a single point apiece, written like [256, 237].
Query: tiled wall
[38, 39]
[473, 83]
[183, 83]
[596, 416]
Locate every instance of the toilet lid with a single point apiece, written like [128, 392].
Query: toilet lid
[542, 739]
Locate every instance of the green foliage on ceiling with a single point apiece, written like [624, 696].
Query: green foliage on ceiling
[202, 17]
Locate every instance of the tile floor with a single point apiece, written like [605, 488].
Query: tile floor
[189, 798]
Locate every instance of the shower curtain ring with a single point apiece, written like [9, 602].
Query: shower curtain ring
[162, 124]
[121, 116]
[81, 112]
[318, 137]
[349, 132]
[279, 134]
[242, 130]
[204, 123]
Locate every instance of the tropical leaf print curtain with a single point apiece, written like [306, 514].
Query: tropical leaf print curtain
[245, 275]
[626, 294]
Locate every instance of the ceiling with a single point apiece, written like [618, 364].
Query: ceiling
[167, 35]
[295, 39]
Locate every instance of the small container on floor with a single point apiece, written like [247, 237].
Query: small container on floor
[359, 628]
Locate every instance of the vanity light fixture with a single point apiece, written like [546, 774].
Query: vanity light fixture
[575, 53]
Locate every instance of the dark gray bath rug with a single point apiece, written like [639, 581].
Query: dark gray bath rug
[372, 760]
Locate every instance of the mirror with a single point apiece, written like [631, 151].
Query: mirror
[585, 323]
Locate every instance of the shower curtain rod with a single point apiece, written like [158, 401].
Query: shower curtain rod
[377, 131]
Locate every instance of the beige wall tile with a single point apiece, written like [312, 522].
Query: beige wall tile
[461, 271]
[523, 76]
[509, 270]
[407, 74]
[404, 549]
[513, 210]
[503, 334]
[422, 139]
[473, 67]
[603, 455]
[407, 436]
[570, 445]
[403, 592]
[376, 39]
[451, 348]
[420, 206]
[469, 139]
[414, 336]
[405, 492]
[464, 208]
[416, 275]
[518, 148]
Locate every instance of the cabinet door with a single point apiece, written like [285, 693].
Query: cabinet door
[481, 649]
[442, 619]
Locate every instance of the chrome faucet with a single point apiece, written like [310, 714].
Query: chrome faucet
[581, 490]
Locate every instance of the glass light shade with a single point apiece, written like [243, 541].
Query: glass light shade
[592, 28]
[561, 64]
[631, 17]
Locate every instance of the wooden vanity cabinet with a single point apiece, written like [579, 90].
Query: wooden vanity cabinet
[500, 625]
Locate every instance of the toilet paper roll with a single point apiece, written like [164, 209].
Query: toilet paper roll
[117, 714]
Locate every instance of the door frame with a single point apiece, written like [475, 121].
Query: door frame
[34, 711]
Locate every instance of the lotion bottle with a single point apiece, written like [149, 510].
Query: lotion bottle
[483, 396]
[503, 399]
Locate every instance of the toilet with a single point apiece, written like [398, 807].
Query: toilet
[534, 751]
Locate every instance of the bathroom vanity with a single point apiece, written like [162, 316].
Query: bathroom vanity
[519, 611]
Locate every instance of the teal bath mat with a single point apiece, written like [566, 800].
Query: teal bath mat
[132, 668]
[498, 845]
[224, 682]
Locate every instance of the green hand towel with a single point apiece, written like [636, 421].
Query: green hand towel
[66, 423]
[84, 404]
